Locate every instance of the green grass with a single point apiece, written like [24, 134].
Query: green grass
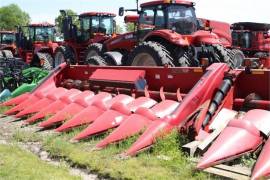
[164, 161]
[19, 164]
[3, 109]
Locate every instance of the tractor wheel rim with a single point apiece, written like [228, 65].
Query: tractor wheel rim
[59, 59]
[238, 60]
[91, 54]
[144, 59]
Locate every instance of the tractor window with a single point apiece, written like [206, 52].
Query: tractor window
[44, 33]
[160, 19]
[146, 19]
[95, 24]
[85, 24]
[8, 38]
[182, 19]
[106, 25]
[31, 33]
[241, 39]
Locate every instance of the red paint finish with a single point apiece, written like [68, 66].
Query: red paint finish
[262, 167]
[241, 136]
[160, 2]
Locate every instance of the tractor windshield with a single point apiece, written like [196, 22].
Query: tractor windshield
[182, 19]
[41, 33]
[242, 39]
[7, 38]
[102, 24]
[95, 24]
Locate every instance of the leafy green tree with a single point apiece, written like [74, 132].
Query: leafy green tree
[130, 27]
[11, 16]
[60, 17]
[119, 29]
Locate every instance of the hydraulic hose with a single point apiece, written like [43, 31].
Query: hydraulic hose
[218, 98]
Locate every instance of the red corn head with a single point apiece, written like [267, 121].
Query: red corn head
[262, 167]
[131, 125]
[17, 100]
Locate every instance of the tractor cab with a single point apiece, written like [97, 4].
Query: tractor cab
[7, 38]
[88, 26]
[251, 36]
[178, 16]
[32, 34]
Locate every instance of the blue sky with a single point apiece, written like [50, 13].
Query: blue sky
[223, 10]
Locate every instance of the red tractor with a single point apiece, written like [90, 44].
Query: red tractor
[7, 43]
[36, 44]
[253, 39]
[94, 27]
[169, 33]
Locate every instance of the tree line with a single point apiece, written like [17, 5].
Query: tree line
[12, 15]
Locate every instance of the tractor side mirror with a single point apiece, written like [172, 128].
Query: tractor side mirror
[121, 11]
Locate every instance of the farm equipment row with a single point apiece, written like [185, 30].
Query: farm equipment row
[167, 32]
[151, 102]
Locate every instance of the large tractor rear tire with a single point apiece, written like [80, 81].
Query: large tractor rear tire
[150, 54]
[7, 53]
[46, 61]
[184, 60]
[64, 54]
[94, 49]
[223, 55]
[96, 61]
[237, 57]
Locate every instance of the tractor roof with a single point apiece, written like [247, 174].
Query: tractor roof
[160, 2]
[97, 14]
[41, 25]
[250, 26]
[131, 18]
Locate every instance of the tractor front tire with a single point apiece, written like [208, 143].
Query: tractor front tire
[96, 61]
[237, 57]
[7, 53]
[94, 49]
[64, 54]
[46, 61]
[223, 55]
[150, 54]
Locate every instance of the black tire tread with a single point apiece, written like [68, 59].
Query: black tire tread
[98, 47]
[68, 54]
[48, 60]
[7, 53]
[96, 60]
[163, 56]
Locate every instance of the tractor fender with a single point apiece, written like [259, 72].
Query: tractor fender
[11, 48]
[125, 41]
[40, 48]
[205, 37]
[49, 47]
[114, 57]
[169, 36]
